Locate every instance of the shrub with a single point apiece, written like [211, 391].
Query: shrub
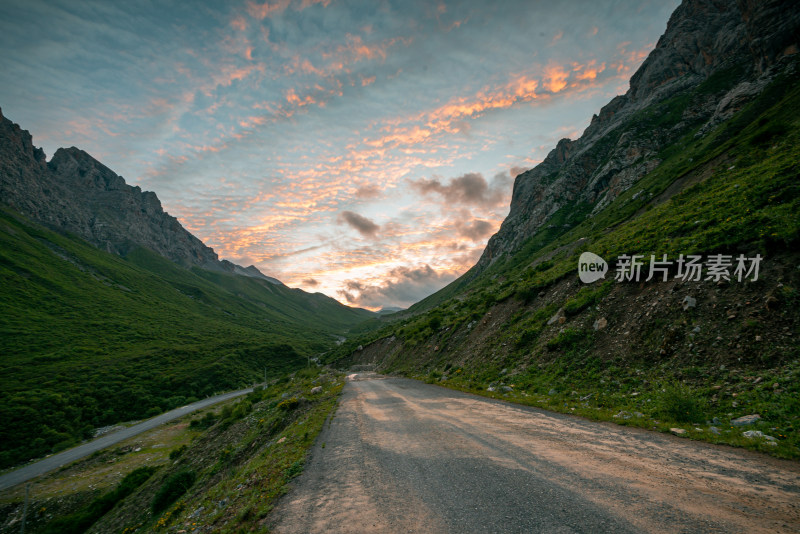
[81, 520]
[678, 403]
[169, 492]
[176, 453]
[205, 422]
[288, 404]
[568, 339]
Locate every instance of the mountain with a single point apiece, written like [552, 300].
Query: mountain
[698, 158]
[110, 310]
[74, 192]
[723, 54]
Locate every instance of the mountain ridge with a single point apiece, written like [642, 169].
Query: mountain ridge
[75, 192]
[703, 38]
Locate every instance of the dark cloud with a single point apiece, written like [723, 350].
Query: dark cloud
[368, 191]
[469, 189]
[516, 171]
[364, 226]
[474, 230]
[404, 286]
[310, 282]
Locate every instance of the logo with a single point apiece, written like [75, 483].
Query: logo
[689, 268]
[591, 267]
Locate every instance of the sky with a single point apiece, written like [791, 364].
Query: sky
[365, 150]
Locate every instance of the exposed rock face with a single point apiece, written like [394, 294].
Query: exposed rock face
[748, 38]
[76, 193]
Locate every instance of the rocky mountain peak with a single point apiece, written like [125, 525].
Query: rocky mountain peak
[744, 42]
[76, 193]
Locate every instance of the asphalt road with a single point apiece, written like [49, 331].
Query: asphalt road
[23, 474]
[403, 456]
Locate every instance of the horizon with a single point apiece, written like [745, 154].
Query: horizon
[367, 154]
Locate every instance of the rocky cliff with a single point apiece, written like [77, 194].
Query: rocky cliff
[725, 52]
[76, 193]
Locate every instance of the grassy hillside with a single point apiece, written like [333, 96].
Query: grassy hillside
[733, 191]
[89, 338]
[223, 468]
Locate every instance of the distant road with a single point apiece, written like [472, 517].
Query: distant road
[404, 456]
[45, 465]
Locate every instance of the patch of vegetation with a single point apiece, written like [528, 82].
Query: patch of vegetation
[172, 488]
[81, 520]
[679, 403]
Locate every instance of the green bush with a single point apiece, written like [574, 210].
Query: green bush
[176, 453]
[288, 404]
[169, 492]
[205, 422]
[679, 403]
[568, 339]
[81, 520]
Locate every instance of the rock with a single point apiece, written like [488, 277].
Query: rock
[757, 434]
[623, 415]
[282, 439]
[601, 323]
[555, 318]
[638, 414]
[758, 338]
[746, 420]
[688, 302]
[506, 388]
[677, 431]
[490, 388]
[552, 392]
[714, 430]
[587, 397]
[317, 389]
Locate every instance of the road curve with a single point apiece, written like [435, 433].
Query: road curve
[23, 474]
[403, 456]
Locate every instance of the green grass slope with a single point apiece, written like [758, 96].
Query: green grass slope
[88, 338]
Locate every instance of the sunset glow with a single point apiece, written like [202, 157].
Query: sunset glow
[363, 150]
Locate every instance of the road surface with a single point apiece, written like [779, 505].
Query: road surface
[403, 456]
[23, 474]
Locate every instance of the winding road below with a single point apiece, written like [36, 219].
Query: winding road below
[404, 456]
[45, 465]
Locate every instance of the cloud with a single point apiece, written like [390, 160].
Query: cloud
[262, 11]
[475, 230]
[516, 171]
[469, 189]
[310, 282]
[365, 227]
[403, 287]
[555, 78]
[368, 191]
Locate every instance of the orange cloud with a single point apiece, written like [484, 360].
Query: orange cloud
[262, 11]
[239, 23]
[555, 78]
